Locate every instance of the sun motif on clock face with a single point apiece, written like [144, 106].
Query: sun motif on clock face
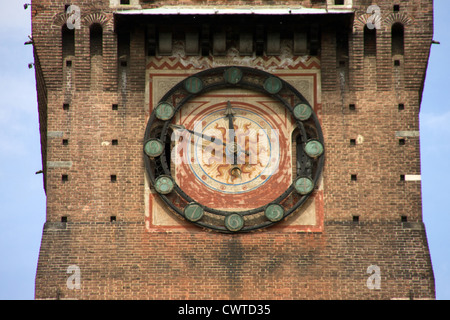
[247, 154]
[220, 150]
[232, 151]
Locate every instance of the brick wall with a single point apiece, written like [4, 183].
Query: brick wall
[96, 99]
[124, 262]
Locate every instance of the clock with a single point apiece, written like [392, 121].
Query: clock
[233, 149]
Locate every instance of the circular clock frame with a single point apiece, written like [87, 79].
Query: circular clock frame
[231, 221]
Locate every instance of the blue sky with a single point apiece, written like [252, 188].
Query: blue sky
[435, 151]
[22, 198]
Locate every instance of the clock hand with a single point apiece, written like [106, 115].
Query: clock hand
[229, 113]
[201, 135]
[198, 134]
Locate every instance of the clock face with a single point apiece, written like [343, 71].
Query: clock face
[249, 155]
[235, 153]
[233, 149]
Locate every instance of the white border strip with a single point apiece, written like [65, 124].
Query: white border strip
[413, 177]
[224, 11]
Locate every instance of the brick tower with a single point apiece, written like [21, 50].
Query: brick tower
[307, 112]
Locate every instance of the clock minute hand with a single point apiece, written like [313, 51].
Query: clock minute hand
[229, 113]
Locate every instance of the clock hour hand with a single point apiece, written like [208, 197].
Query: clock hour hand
[201, 135]
[198, 134]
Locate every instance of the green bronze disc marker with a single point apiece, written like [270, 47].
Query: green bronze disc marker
[233, 75]
[314, 148]
[274, 212]
[234, 222]
[164, 184]
[304, 185]
[273, 85]
[154, 148]
[302, 111]
[164, 111]
[193, 212]
[193, 85]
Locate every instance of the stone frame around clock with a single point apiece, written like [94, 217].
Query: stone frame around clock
[250, 79]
